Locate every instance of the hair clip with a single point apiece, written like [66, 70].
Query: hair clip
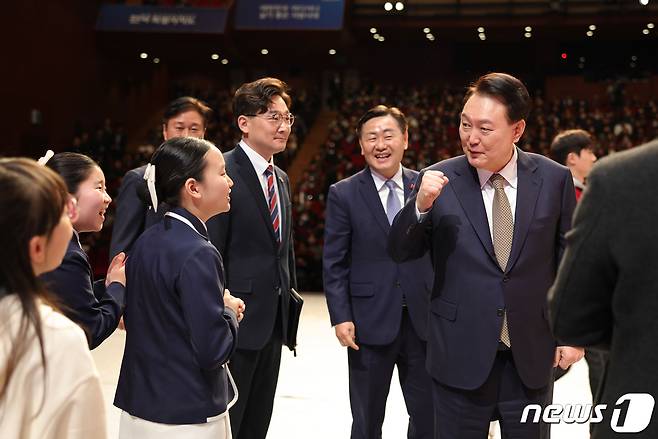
[149, 176]
[43, 160]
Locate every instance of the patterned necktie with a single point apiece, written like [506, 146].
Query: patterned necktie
[273, 202]
[392, 202]
[503, 233]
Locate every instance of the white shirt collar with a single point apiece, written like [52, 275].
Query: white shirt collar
[509, 172]
[257, 160]
[577, 183]
[380, 180]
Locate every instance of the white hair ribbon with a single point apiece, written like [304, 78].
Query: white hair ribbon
[149, 176]
[43, 160]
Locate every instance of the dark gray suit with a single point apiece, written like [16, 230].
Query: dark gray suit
[606, 292]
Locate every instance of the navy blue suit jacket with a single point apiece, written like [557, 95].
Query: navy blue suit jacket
[362, 283]
[178, 332]
[133, 213]
[470, 290]
[89, 304]
[257, 268]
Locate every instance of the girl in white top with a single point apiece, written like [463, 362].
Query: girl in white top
[49, 386]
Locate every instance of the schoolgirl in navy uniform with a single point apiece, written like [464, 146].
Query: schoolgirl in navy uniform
[181, 323]
[95, 306]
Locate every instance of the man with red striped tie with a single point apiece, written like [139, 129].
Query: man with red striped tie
[255, 241]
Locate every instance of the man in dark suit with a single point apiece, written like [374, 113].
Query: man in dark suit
[183, 117]
[494, 220]
[606, 292]
[378, 307]
[255, 241]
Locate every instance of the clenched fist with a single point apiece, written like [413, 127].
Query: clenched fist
[430, 187]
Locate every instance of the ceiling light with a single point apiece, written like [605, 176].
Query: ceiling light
[527, 35]
[592, 27]
[633, 58]
[644, 2]
[143, 55]
[590, 33]
[399, 6]
[649, 25]
[332, 51]
[388, 6]
[373, 30]
[430, 36]
[483, 37]
[214, 56]
[156, 60]
[645, 31]
[480, 29]
[224, 61]
[528, 29]
[426, 30]
[264, 52]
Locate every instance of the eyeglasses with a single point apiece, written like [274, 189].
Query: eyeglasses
[276, 118]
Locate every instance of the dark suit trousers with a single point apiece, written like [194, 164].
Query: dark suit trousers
[465, 414]
[256, 373]
[371, 369]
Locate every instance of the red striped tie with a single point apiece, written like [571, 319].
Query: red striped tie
[273, 203]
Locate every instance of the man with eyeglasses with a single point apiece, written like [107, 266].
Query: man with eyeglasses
[255, 241]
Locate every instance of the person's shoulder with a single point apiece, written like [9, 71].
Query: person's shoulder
[136, 172]
[449, 164]
[350, 181]
[634, 162]
[61, 333]
[548, 166]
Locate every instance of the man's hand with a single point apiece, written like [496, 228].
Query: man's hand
[430, 188]
[565, 356]
[346, 335]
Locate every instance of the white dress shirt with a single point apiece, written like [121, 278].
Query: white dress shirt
[260, 165]
[383, 190]
[509, 173]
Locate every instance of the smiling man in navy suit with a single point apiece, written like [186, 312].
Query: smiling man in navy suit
[378, 307]
[495, 220]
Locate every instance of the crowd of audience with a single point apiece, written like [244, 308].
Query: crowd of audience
[433, 115]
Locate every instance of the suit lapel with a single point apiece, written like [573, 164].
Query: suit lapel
[408, 179]
[529, 185]
[248, 174]
[466, 185]
[371, 198]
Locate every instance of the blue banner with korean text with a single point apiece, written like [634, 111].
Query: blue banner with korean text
[289, 14]
[161, 19]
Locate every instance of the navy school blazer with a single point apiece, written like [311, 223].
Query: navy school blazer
[89, 304]
[179, 335]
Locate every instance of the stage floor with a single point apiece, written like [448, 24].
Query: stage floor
[312, 396]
